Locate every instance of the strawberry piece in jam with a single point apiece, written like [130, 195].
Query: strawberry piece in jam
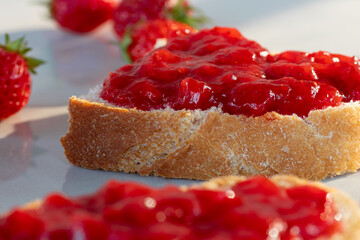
[252, 209]
[145, 36]
[220, 68]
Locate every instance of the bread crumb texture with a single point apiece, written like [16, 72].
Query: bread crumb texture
[204, 144]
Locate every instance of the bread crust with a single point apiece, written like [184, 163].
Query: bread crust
[204, 144]
[344, 205]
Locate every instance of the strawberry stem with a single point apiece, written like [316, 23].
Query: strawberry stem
[19, 46]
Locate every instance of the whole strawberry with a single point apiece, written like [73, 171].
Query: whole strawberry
[15, 79]
[81, 16]
[145, 36]
[129, 13]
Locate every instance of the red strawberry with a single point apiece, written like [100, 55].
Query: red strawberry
[131, 12]
[144, 37]
[82, 16]
[15, 80]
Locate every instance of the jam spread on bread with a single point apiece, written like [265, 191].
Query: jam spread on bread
[220, 68]
[255, 208]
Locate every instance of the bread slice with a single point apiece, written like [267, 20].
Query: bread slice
[345, 207]
[199, 144]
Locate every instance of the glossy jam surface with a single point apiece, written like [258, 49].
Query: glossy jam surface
[220, 67]
[145, 36]
[252, 209]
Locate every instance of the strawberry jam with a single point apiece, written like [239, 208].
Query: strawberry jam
[253, 209]
[221, 68]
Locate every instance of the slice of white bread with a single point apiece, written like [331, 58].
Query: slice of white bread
[198, 144]
[346, 208]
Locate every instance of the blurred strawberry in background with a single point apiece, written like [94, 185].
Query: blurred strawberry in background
[137, 23]
[81, 16]
[15, 79]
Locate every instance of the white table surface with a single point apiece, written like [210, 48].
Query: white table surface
[32, 161]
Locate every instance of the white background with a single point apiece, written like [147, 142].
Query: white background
[32, 162]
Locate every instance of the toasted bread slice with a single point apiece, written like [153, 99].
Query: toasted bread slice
[199, 144]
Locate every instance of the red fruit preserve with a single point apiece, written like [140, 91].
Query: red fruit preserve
[220, 68]
[253, 209]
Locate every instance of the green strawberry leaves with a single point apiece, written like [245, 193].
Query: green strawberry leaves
[183, 12]
[33, 63]
[19, 46]
[124, 46]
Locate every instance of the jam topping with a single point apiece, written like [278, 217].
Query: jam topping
[220, 68]
[253, 209]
